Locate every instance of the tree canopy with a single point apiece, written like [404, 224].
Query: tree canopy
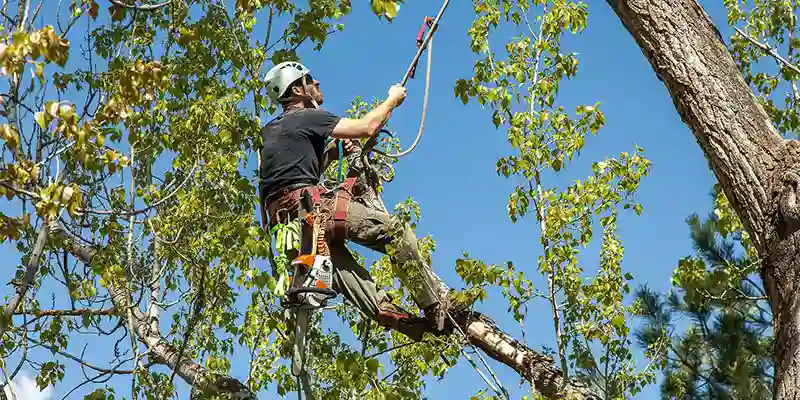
[130, 131]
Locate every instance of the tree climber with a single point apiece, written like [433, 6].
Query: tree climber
[293, 158]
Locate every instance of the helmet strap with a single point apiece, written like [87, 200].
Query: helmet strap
[305, 92]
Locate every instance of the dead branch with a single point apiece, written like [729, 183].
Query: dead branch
[30, 273]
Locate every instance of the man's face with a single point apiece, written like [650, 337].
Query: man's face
[313, 89]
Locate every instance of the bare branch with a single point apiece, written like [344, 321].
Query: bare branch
[144, 7]
[769, 50]
[30, 273]
[79, 312]
[162, 351]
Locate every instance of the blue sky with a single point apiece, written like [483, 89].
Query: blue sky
[452, 175]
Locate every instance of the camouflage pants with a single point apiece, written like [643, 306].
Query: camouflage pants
[372, 229]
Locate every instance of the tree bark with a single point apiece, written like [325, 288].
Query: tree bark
[758, 169]
[541, 371]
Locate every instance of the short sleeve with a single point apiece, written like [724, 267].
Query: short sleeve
[321, 122]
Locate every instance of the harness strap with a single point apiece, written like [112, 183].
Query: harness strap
[341, 208]
[274, 206]
[341, 204]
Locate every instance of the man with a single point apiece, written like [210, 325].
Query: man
[294, 157]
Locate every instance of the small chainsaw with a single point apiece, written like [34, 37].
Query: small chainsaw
[312, 279]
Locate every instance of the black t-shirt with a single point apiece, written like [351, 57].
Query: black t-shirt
[293, 147]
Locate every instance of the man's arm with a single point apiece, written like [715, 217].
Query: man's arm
[370, 124]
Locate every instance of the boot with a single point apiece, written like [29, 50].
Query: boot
[393, 316]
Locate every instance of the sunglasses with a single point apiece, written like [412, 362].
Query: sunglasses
[311, 80]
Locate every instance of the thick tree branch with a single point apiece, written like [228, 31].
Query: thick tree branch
[190, 371]
[480, 330]
[540, 370]
[27, 280]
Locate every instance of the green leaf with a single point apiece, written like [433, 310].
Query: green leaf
[372, 366]
[40, 119]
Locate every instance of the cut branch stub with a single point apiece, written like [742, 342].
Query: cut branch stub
[788, 205]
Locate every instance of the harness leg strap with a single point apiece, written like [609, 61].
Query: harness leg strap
[341, 207]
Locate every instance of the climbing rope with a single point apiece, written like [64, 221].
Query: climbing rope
[424, 106]
[502, 391]
[424, 45]
[369, 146]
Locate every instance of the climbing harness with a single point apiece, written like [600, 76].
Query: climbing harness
[311, 281]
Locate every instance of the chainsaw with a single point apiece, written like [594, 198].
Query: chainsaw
[312, 278]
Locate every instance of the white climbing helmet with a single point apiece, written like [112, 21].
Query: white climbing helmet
[281, 76]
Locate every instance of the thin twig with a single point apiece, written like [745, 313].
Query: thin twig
[769, 50]
[398, 347]
[145, 7]
[193, 319]
[86, 364]
[133, 212]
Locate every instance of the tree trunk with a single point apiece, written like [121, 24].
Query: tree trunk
[757, 168]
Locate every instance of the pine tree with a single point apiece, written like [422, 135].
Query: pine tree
[725, 350]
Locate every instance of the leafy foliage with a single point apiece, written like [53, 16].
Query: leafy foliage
[141, 150]
[522, 89]
[768, 30]
[150, 159]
